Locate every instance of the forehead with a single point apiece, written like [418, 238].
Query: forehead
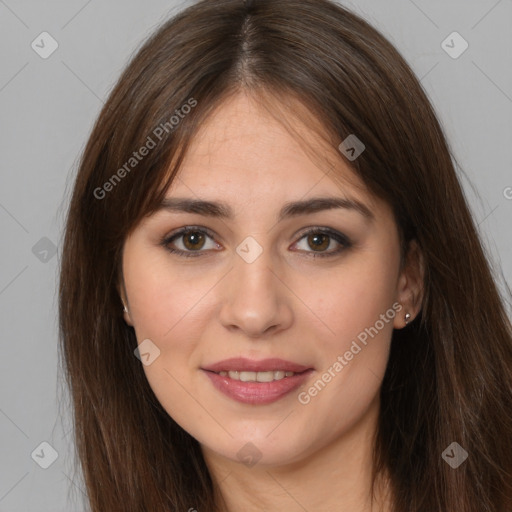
[245, 149]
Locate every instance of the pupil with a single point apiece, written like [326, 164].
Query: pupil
[316, 240]
[192, 239]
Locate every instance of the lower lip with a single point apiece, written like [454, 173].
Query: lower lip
[260, 393]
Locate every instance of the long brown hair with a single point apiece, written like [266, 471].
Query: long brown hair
[450, 370]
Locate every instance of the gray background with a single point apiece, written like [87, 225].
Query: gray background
[48, 107]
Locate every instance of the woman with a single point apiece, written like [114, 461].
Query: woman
[273, 295]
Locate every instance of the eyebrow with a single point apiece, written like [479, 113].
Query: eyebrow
[291, 209]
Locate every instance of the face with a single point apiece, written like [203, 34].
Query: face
[316, 288]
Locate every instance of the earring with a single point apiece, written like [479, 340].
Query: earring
[407, 316]
[125, 309]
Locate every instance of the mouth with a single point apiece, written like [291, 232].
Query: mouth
[256, 382]
[243, 364]
[268, 376]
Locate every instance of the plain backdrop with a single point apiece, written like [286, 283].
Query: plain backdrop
[48, 106]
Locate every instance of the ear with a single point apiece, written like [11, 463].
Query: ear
[122, 294]
[410, 287]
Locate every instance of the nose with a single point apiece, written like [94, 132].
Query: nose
[255, 298]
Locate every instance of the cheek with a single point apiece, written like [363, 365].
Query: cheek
[169, 311]
[354, 358]
[162, 301]
[166, 310]
[356, 307]
[353, 298]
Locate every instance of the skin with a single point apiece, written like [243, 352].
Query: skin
[287, 304]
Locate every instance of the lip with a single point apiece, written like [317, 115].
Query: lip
[250, 365]
[256, 393]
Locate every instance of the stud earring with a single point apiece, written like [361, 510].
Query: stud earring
[407, 316]
[125, 309]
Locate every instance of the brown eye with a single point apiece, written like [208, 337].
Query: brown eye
[193, 240]
[319, 241]
[190, 241]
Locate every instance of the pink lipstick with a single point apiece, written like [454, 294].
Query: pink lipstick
[256, 382]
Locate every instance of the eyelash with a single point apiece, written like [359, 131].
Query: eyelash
[338, 237]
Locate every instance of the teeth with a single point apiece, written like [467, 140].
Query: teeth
[243, 376]
[257, 376]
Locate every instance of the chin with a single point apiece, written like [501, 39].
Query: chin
[259, 449]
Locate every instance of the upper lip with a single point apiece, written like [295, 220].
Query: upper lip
[251, 365]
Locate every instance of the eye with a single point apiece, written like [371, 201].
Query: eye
[193, 240]
[321, 239]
